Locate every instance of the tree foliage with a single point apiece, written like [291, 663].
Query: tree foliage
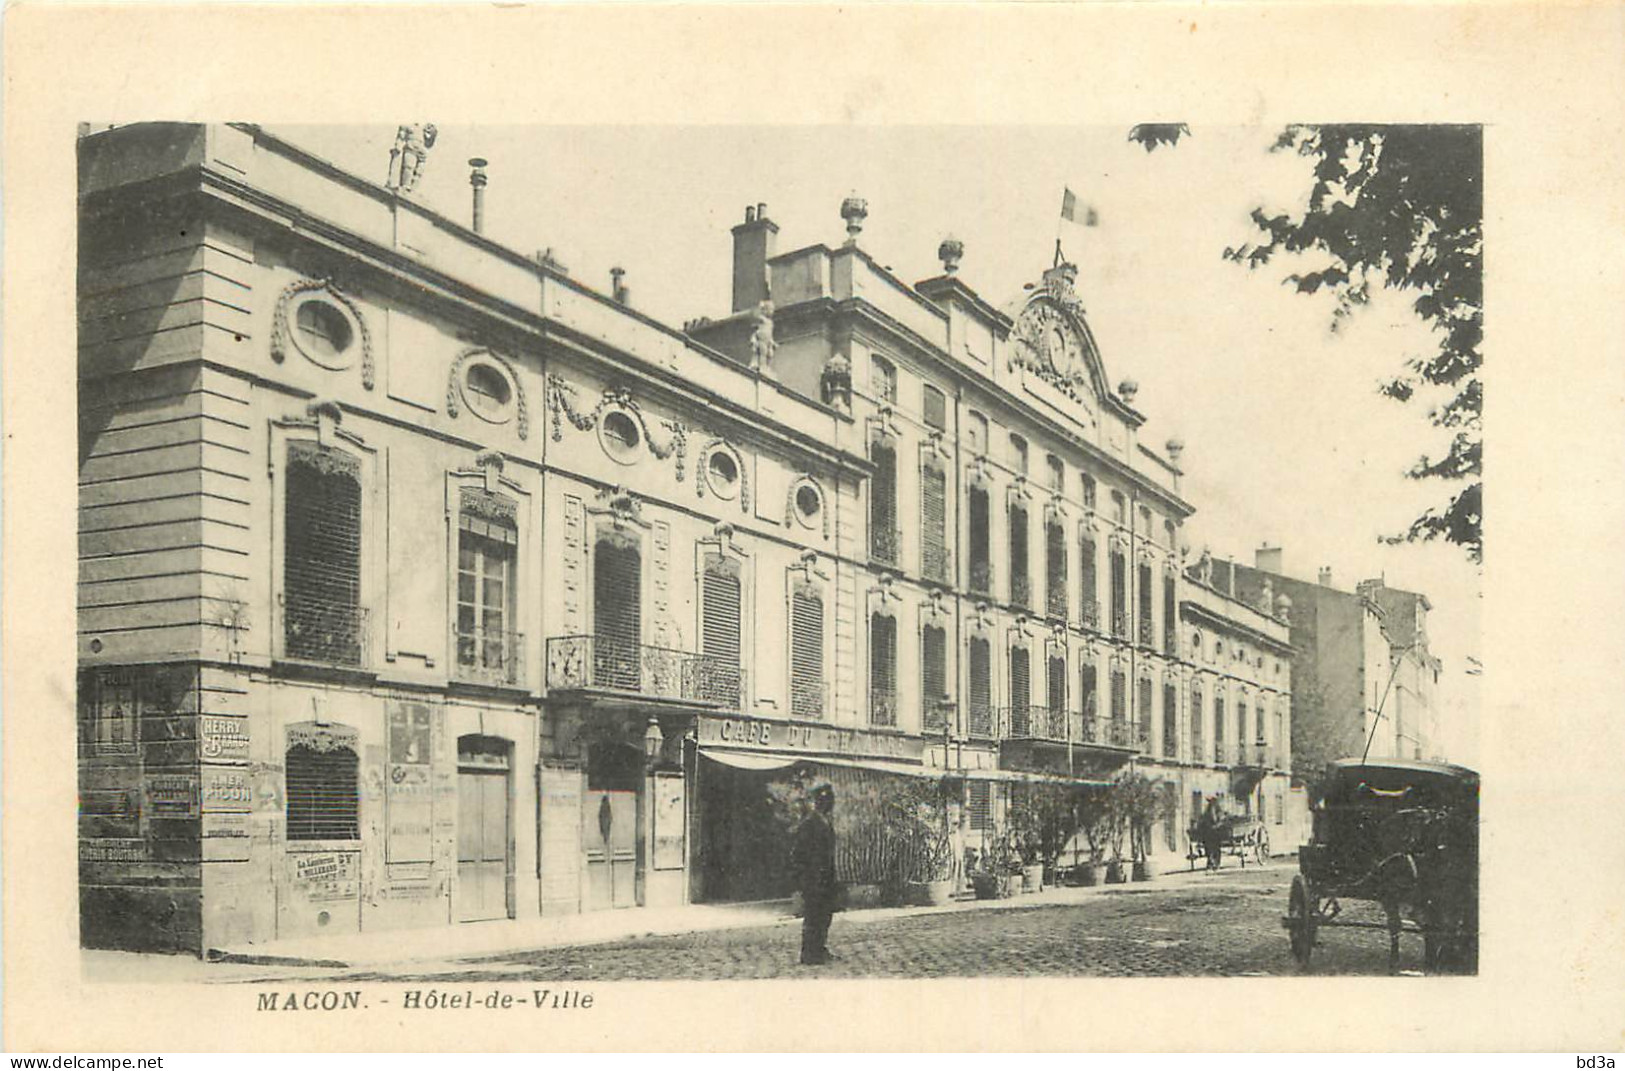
[1402, 207]
[1151, 135]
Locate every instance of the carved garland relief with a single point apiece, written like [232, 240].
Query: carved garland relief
[282, 333]
[561, 403]
[454, 386]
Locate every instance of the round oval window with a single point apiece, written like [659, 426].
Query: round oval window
[324, 332]
[488, 391]
[621, 436]
[724, 473]
[808, 503]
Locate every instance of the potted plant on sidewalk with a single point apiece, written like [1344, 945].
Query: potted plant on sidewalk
[916, 819]
[1092, 804]
[1115, 826]
[1145, 802]
[1026, 837]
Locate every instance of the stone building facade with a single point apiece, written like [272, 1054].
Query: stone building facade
[422, 583]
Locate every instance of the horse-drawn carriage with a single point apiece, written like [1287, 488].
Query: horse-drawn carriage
[1405, 836]
[1241, 836]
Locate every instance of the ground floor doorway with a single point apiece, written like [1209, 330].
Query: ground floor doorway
[484, 829]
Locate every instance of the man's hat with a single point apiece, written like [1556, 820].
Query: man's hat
[823, 792]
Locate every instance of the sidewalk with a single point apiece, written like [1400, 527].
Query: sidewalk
[483, 940]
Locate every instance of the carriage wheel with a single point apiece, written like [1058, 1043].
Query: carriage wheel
[1300, 921]
[1261, 849]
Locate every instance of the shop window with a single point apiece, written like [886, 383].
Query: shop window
[934, 699]
[487, 542]
[807, 652]
[883, 536]
[617, 615]
[321, 773]
[935, 408]
[719, 636]
[934, 523]
[322, 614]
[981, 564]
[1020, 584]
[882, 670]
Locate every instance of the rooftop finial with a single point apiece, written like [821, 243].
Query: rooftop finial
[950, 252]
[854, 210]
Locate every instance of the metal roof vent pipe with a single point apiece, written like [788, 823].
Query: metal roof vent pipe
[476, 179]
[617, 285]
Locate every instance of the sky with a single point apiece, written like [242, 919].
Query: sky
[1286, 439]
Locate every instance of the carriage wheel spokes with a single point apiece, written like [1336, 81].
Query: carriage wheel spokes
[1300, 921]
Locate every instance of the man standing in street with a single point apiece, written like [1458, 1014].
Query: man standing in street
[814, 857]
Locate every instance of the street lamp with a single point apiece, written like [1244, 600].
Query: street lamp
[653, 740]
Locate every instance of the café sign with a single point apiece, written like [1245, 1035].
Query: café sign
[810, 739]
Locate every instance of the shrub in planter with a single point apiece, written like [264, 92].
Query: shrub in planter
[1116, 872]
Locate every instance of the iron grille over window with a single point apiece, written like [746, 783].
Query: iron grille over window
[322, 615]
[1020, 586]
[934, 699]
[882, 670]
[981, 565]
[487, 541]
[1055, 570]
[617, 615]
[720, 642]
[934, 524]
[322, 799]
[807, 652]
[935, 409]
[883, 502]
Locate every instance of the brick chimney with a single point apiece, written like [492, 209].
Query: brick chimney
[1325, 576]
[754, 240]
[1267, 559]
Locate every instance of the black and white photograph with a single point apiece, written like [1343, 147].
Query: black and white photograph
[522, 554]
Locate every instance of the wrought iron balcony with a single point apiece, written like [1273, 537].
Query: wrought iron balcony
[1021, 591]
[885, 545]
[316, 630]
[1034, 723]
[883, 707]
[1255, 754]
[1090, 612]
[937, 716]
[980, 721]
[936, 563]
[1120, 732]
[981, 577]
[1120, 624]
[1055, 600]
[598, 662]
[491, 656]
[808, 698]
[1170, 641]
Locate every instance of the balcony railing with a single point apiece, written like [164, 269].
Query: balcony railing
[1021, 591]
[981, 577]
[1120, 732]
[808, 698]
[938, 716]
[1055, 600]
[885, 545]
[319, 631]
[491, 656]
[1146, 632]
[1090, 612]
[936, 563]
[1034, 723]
[883, 707]
[979, 721]
[576, 662]
[1254, 754]
[1120, 624]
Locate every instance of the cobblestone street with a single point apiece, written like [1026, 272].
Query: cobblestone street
[1224, 925]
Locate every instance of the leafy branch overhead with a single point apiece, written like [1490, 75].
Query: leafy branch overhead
[1401, 208]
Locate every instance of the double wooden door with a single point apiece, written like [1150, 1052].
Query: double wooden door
[484, 873]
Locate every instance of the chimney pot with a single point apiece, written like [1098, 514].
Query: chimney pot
[618, 287]
[1325, 576]
[754, 241]
[477, 179]
[750, 214]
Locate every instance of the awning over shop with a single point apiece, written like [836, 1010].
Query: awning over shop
[778, 760]
[1021, 776]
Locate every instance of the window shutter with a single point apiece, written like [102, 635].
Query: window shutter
[617, 616]
[1119, 697]
[1020, 677]
[979, 803]
[721, 638]
[883, 669]
[1088, 700]
[807, 652]
[322, 793]
[883, 501]
[933, 676]
[934, 523]
[981, 675]
[980, 555]
[1055, 569]
[322, 570]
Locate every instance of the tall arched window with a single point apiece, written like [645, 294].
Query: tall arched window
[1089, 595]
[981, 561]
[934, 522]
[1170, 720]
[321, 589]
[935, 702]
[1020, 691]
[882, 669]
[1055, 569]
[617, 616]
[719, 640]
[883, 536]
[1021, 593]
[979, 710]
[807, 651]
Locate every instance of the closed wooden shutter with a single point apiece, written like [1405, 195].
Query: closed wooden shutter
[1145, 712]
[979, 804]
[1021, 689]
[1018, 554]
[807, 652]
[322, 793]
[883, 501]
[1057, 683]
[882, 669]
[979, 716]
[1055, 569]
[980, 557]
[322, 558]
[933, 677]
[1145, 603]
[935, 409]
[1119, 697]
[1218, 728]
[1170, 721]
[934, 523]
[1169, 620]
[1119, 595]
[720, 633]
[1089, 607]
[1196, 723]
[1088, 692]
[617, 616]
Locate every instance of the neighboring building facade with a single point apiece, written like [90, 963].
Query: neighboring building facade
[420, 583]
